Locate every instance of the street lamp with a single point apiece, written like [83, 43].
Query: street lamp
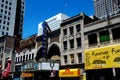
[52, 64]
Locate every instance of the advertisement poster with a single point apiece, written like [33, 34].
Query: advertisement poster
[103, 57]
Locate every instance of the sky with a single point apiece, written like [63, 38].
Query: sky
[37, 11]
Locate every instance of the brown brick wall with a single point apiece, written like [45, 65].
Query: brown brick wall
[54, 39]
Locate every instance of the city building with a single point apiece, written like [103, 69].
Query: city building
[49, 67]
[11, 27]
[72, 47]
[106, 8]
[7, 52]
[11, 17]
[102, 49]
[25, 54]
[53, 22]
[28, 64]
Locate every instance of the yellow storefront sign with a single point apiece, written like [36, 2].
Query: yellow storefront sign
[104, 57]
[69, 73]
[27, 74]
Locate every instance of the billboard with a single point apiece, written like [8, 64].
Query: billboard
[103, 57]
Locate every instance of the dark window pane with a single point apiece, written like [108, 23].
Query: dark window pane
[92, 39]
[104, 36]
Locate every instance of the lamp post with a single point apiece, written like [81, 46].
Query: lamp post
[52, 64]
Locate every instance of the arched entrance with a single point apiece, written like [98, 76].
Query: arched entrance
[54, 52]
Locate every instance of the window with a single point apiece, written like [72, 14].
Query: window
[10, 3]
[29, 56]
[79, 57]
[23, 3]
[78, 28]
[7, 23]
[8, 13]
[115, 33]
[65, 32]
[78, 42]
[6, 2]
[6, 33]
[32, 56]
[5, 12]
[21, 59]
[65, 45]
[72, 58]
[2, 5]
[5, 7]
[72, 43]
[104, 36]
[3, 33]
[8, 18]
[7, 28]
[23, 7]
[23, 13]
[1, 10]
[92, 39]
[9, 8]
[4, 22]
[2, 0]
[4, 17]
[65, 59]
[71, 30]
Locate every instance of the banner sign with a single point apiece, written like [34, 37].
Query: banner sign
[69, 73]
[31, 65]
[104, 57]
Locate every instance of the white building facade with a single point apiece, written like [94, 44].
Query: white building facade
[11, 17]
[53, 22]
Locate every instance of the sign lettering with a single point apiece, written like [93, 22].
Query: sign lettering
[104, 57]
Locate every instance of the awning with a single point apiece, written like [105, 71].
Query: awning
[69, 73]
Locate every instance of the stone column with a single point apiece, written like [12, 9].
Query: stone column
[111, 36]
[68, 43]
[86, 44]
[68, 59]
[98, 39]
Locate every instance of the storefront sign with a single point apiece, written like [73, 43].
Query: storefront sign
[27, 74]
[48, 66]
[30, 66]
[69, 73]
[104, 57]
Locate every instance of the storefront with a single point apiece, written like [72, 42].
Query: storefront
[103, 63]
[69, 74]
[28, 70]
[43, 70]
